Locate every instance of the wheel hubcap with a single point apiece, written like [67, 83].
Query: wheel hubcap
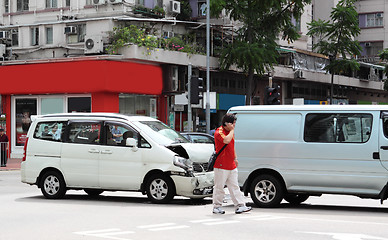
[158, 189]
[265, 191]
[51, 185]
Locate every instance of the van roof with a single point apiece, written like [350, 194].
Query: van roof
[97, 115]
[309, 108]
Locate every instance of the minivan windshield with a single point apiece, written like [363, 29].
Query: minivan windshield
[160, 132]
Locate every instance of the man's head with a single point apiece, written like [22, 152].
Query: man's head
[228, 118]
[1, 131]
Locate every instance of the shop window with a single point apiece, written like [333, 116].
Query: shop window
[49, 35]
[135, 104]
[51, 105]
[22, 5]
[34, 36]
[51, 3]
[25, 107]
[79, 104]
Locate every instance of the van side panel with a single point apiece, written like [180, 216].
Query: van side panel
[266, 139]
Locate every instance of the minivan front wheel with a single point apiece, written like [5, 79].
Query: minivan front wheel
[160, 188]
[266, 191]
[53, 185]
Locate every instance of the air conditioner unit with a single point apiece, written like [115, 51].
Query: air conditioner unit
[175, 6]
[98, 2]
[70, 30]
[93, 44]
[4, 35]
[298, 74]
[174, 78]
[368, 44]
[115, 1]
[379, 15]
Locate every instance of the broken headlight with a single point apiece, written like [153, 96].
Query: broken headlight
[184, 163]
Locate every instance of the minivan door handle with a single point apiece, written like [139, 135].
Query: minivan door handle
[106, 152]
[384, 147]
[93, 150]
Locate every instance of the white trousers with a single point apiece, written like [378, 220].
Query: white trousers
[229, 178]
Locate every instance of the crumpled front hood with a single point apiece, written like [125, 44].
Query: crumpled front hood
[196, 152]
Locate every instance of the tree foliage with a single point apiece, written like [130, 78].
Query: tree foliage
[254, 46]
[335, 38]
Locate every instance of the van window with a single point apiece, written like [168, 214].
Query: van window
[84, 132]
[117, 134]
[338, 127]
[51, 131]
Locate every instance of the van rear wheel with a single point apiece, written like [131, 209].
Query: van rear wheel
[295, 199]
[160, 188]
[266, 191]
[53, 185]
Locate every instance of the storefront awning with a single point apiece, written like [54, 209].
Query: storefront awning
[82, 76]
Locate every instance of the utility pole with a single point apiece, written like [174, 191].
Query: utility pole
[189, 113]
[208, 66]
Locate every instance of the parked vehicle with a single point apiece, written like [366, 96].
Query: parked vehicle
[143, 155]
[198, 137]
[292, 152]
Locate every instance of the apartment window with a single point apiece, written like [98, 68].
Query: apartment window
[67, 3]
[158, 3]
[201, 8]
[371, 48]
[296, 23]
[22, 5]
[49, 35]
[140, 2]
[374, 20]
[34, 36]
[51, 3]
[15, 37]
[80, 36]
[6, 6]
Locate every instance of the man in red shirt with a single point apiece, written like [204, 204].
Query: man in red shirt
[225, 168]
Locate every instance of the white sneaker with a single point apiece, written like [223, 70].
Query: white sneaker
[243, 209]
[218, 210]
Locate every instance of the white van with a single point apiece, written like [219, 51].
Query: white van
[98, 152]
[292, 152]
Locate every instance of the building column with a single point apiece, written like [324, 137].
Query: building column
[105, 102]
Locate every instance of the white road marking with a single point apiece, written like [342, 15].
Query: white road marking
[156, 225]
[206, 220]
[162, 227]
[347, 236]
[106, 233]
[169, 228]
[222, 222]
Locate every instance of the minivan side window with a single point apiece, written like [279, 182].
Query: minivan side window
[117, 134]
[84, 132]
[338, 127]
[51, 131]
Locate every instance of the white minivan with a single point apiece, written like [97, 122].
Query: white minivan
[293, 152]
[98, 152]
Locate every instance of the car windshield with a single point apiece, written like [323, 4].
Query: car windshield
[160, 132]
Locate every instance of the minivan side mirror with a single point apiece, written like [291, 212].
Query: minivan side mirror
[131, 142]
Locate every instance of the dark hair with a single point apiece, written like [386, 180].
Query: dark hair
[228, 118]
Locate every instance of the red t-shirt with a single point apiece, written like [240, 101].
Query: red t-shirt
[226, 159]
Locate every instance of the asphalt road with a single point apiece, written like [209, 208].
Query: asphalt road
[26, 214]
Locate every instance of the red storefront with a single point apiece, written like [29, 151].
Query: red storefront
[88, 85]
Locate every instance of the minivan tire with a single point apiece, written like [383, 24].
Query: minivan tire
[295, 199]
[266, 191]
[53, 185]
[160, 188]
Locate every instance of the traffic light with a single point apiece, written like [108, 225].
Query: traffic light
[196, 89]
[272, 95]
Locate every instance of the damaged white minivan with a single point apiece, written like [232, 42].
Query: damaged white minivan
[98, 152]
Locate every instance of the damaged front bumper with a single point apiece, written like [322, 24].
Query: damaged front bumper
[199, 185]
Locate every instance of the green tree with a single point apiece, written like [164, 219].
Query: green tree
[254, 47]
[384, 57]
[335, 38]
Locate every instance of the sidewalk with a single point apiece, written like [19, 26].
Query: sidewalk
[12, 164]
